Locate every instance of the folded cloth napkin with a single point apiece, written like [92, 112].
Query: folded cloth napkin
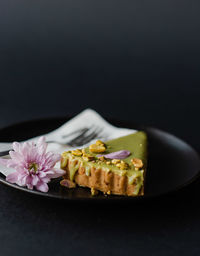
[88, 120]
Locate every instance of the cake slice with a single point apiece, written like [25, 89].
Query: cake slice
[115, 167]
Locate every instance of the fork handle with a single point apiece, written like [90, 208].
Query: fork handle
[5, 148]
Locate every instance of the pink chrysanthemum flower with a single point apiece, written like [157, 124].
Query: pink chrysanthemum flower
[34, 166]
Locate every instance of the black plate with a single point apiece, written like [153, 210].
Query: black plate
[172, 163]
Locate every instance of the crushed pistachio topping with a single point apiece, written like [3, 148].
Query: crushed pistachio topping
[137, 162]
[94, 192]
[65, 153]
[83, 151]
[99, 142]
[94, 148]
[98, 147]
[88, 157]
[77, 152]
[102, 158]
[122, 166]
[115, 161]
[67, 183]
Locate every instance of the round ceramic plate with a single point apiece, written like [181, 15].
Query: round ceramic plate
[172, 163]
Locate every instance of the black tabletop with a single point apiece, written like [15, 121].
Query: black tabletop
[129, 60]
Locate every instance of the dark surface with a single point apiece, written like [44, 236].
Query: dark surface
[180, 164]
[129, 60]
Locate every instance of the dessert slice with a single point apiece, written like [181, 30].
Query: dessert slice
[115, 167]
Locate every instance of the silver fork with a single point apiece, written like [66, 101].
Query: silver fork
[93, 133]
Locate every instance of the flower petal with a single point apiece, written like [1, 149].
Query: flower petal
[4, 161]
[13, 177]
[55, 173]
[42, 174]
[16, 146]
[51, 159]
[16, 156]
[35, 180]
[118, 154]
[46, 179]
[29, 186]
[42, 186]
[41, 145]
[24, 179]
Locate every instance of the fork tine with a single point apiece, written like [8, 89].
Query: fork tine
[92, 136]
[84, 138]
[74, 132]
[79, 141]
[74, 141]
[88, 138]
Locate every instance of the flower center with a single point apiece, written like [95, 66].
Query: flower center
[33, 166]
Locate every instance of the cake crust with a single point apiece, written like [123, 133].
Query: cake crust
[107, 182]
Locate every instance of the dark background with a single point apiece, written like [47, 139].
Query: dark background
[129, 60]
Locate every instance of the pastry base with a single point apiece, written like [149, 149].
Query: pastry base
[107, 182]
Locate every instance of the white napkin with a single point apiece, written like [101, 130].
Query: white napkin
[86, 119]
